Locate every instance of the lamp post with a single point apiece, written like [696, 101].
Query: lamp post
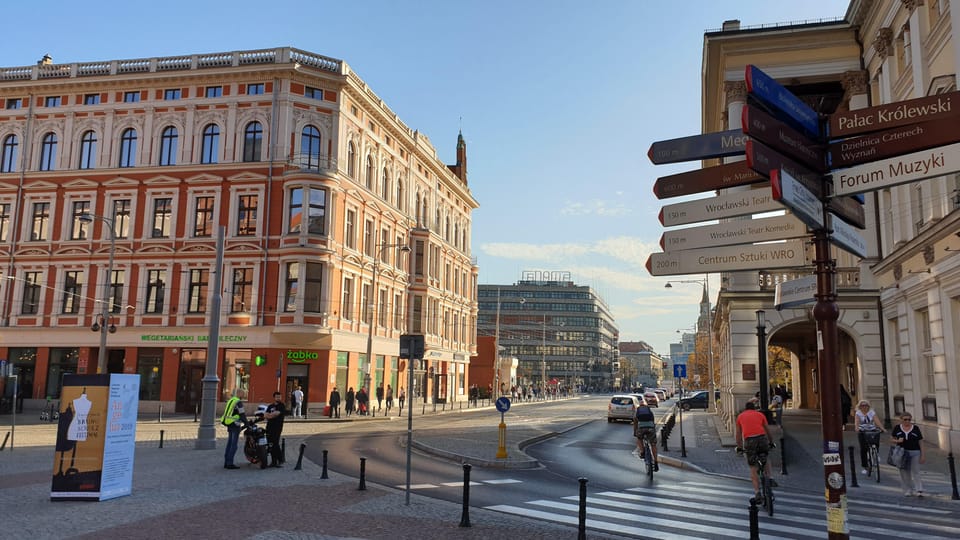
[762, 350]
[705, 282]
[373, 312]
[104, 325]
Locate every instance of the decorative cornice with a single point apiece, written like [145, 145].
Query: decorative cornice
[855, 82]
[883, 42]
[911, 5]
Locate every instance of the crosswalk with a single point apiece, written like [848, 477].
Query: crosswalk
[696, 510]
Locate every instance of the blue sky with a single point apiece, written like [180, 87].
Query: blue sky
[559, 102]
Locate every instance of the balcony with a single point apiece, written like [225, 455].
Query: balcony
[312, 163]
[847, 278]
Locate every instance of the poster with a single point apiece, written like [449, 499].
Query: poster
[96, 435]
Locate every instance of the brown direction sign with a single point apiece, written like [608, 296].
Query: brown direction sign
[890, 115]
[783, 138]
[763, 159]
[705, 179]
[893, 142]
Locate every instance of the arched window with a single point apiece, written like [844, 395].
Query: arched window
[168, 146]
[88, 150]
[416, 208]
[48, 152]
[401, 204]
[211, 144]
[8, 157]
[252, 141]
[446, 230]
[370, 173]
[310, 148]
[351, 160]
[385, 188]
[128, 148]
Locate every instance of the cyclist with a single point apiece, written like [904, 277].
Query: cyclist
[869, 429]
[644, 427]
[753, 437]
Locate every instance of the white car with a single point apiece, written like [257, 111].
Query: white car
[651, 398]
[622, 407]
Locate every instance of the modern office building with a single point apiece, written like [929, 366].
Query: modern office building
[560, 332]
[342, 229]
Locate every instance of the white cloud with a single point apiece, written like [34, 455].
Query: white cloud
[595, 207]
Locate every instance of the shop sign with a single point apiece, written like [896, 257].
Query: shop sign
[203, 338]
[302, 356]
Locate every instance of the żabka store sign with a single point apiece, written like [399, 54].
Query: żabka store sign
[302, 356]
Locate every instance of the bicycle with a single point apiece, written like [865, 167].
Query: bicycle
[872, 439]
[648, 457]
[766, 484]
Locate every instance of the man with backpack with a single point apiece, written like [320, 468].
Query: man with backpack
[645, 427]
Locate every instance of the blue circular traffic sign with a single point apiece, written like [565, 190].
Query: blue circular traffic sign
[503, 404]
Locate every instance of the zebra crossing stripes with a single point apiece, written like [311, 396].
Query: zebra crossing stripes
[496, 481]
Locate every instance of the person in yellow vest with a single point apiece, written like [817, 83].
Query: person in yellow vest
[234, 418]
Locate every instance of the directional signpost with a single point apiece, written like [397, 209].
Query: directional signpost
[737, 204]
[791, 193]
[706, 146]
[795, 292]
[748, 231]
[891, 115]
[898, 170]
[789, 254]
[706, 179]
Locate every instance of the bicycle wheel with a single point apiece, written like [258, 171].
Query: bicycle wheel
[648, 459]
[768, 496]
[875, 461]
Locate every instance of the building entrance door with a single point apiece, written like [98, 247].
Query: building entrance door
[190, 380]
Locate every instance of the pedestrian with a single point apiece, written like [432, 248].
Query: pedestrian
[380, 397]
[846, 403]
[334, 403]
[753, 437]
[401, 397]
[363, 401]
[868, 428]
[297, 401]
[907, 435]
[776, 409]
[351, 400]
[234, 418]
[389, 398]
[276, 411]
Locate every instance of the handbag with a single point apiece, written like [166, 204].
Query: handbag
[897, 457]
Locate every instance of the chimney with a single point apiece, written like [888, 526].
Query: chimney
[731, 25]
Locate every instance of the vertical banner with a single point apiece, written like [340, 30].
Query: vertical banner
[96, 435]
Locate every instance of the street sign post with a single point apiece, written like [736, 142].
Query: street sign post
[697, 147]
[847, 237]
[893, 142]
[705, 179]
[791, 108]
[898, 170]
[747, 231]
[791, 253]
[804, 204]
[795, 292]
[781, 137]
[728, 205]
[891, 115]
[680, 371]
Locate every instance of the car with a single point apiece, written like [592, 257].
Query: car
[661, 393]
[622, 407]
[652, 399]
[639, 397]
[696, 400]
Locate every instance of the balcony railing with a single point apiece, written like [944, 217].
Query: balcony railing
[847, 278]
[313, 163]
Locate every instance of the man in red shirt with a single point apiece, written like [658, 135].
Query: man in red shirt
[752, 429]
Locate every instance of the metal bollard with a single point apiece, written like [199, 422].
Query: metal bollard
[160, 413]
[161, 438]
[323, 473]
[423, 409]
[953, 476]
[465, 513]
[754, 520]
[853, 470]
[283, 450]
[7, 437]
[363, 472]
[299, 466]
[196, 413]
[582, 518]
[783, 457]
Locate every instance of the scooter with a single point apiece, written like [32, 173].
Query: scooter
[255, 446]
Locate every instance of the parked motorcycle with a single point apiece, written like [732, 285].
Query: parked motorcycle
[255, 445]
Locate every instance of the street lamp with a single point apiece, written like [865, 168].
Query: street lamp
[103, 324]
[762, 350]
[373, 311]
[705, 282]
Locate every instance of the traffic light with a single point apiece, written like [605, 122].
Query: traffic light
[260, 360]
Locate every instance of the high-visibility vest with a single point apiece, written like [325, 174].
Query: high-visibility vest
[229, 413]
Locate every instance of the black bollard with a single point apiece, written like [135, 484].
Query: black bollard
[754, 520]
[283, 450]
[7, 437]
[423, 409]
[161, 438]
[953, 476]
[783, 457]
[299, 466]
[582, 518]
[465, 514]
[363, 472]
[683, 446]
[160, 413]
[196, 413]
[664, 434]
[853, 470]
[323, 474]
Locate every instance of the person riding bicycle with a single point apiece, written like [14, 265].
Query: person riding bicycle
[753, 437]
[645, 427]
[869, 429]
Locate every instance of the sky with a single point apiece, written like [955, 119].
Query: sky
[558, 101]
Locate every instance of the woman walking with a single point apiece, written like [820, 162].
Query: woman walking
[908, 436]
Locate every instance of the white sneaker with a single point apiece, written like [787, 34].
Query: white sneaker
[908, 494]
[863, 471]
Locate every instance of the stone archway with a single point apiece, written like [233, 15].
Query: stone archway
[799, 337]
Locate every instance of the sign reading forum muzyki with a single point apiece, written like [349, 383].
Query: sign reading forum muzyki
[899, 170]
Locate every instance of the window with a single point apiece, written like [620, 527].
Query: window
[203, 216]
[51, 101]
[313, 93]
[398, 311]
[91, 99]
[72, 291]
[213, 91]
[255, 89]
[310, 148]
[350, 229]
[14, 103]
[316, 210]
[30, 302]
[368, 237]
[173, 93]
[242, 290]
[4, 221]
[382, 308]
[400, 195]
[116, 291]
[351, 161]
[197, 301]
[80, 227]
[168, 146]
[385, 187]
[252, 141]
[162, 213]
[88, 150]
[48, 152]
[346, 309]
[131, 97]
[128, 148]
[366, 303]
[290, 288]
[156, 289]
[121, 218]
[313, 288]
[211, 143]
[41, 221]
[247, 215]
[369, 176]
[8, 155]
